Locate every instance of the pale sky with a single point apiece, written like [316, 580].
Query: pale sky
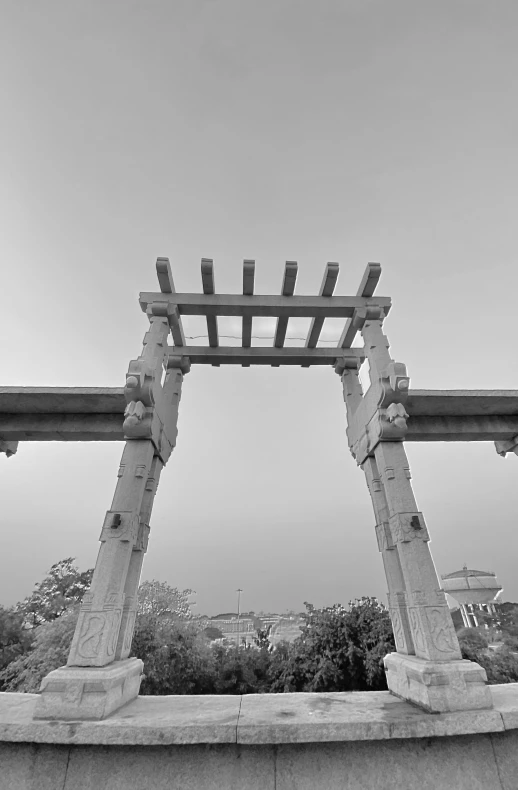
[339, 130]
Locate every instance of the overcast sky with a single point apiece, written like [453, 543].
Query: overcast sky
[339, 130]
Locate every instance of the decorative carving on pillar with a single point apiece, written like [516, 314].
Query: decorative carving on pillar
[417, 631]
[398, 609]
[397, 627]
[405, 527]
[134, 414]
[396, 414]
[443, 636]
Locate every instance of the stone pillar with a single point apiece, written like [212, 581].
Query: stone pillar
[427, 668]
[397, 598]
[100, 618]
[99, 676]
[139, 549]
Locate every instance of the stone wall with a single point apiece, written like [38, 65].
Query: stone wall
[468, 762]
[338, 741]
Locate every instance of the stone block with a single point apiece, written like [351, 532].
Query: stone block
[88, 692]
[31, 766]
[458, 763]
[438, 686]
[201, 767]
[506, 755]
[350, 716]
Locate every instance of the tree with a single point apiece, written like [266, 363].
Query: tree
[14, 638]
[162, 600]
[62, 588]
[177, 660]
[507, 613]
[49, 651]
[339, 650]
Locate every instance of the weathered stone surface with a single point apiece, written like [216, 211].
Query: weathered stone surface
[261, 718]
[438, 686]
[32, 766]
[356, 716]
[88, 692]
[505, 746]
[283, 741]
[466, 763]
[146, 721]
[505, 700]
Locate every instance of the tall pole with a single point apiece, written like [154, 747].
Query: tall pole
[239, 591]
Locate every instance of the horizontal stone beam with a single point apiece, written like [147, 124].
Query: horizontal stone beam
[469, 428]
[234, 355]
[65, 400]
[60, 427]
[460, 403]
[96, 413]
[269, 306]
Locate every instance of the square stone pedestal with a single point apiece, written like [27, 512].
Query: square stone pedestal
[88, 692]
[438, 686]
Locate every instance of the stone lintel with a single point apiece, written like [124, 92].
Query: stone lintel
[438, 686]
[76, 693]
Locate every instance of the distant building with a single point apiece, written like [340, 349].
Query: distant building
[234, 628]
[474, 591]
[245, 628]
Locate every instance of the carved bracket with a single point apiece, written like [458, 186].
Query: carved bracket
[394, 383]
[152, 408]
[507, 446]
[9, 448]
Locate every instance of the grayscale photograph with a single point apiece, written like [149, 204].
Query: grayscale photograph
[259, 400]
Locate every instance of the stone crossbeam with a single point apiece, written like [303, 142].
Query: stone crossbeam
[462, 415]
[265, 306]
[40, 414]
[235, 355]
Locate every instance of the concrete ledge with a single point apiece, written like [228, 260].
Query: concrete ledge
[257, 719]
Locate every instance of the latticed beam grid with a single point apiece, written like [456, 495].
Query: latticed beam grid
[283, 307]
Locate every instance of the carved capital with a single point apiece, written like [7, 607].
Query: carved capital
[180, 363]
[363, 314]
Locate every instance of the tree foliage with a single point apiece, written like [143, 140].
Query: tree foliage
[176, 659]
[159, 599]
[340, 649]
[62, 588]
[49, 651]
[14, 638]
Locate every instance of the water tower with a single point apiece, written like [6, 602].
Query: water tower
[474, 591]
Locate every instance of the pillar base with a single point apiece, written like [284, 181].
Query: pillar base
[72, 693]
[438, 686]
